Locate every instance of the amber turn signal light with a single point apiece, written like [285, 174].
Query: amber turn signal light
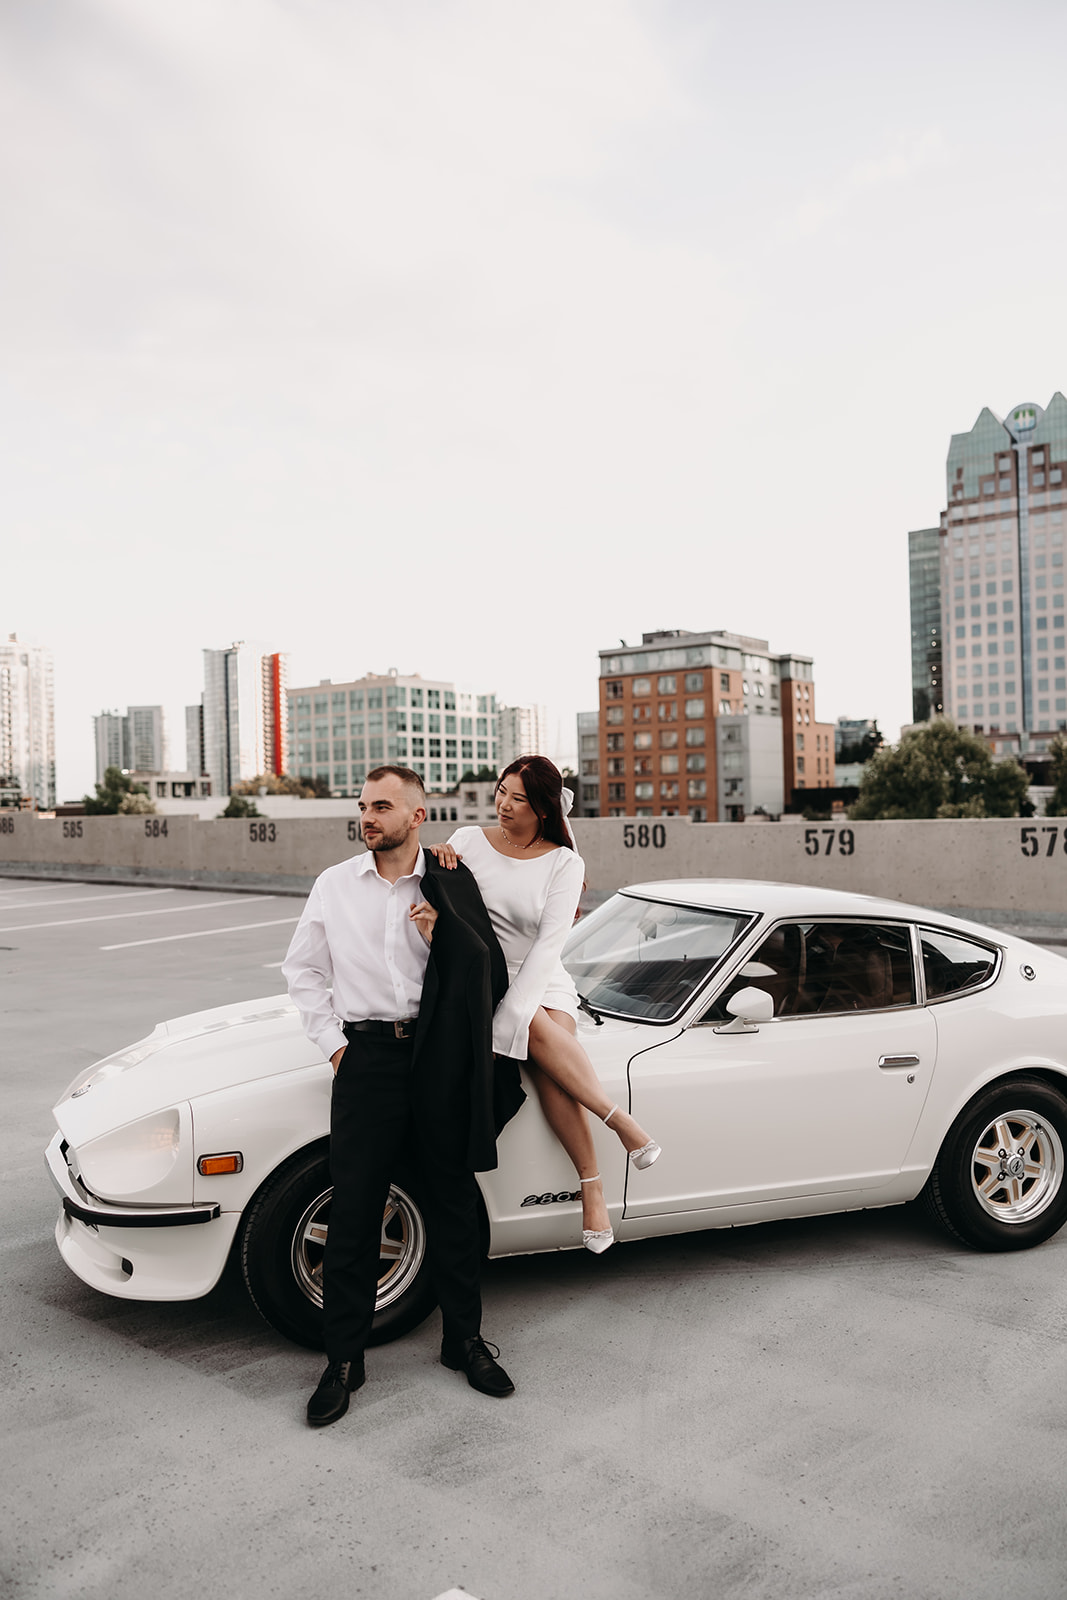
[211, 1166]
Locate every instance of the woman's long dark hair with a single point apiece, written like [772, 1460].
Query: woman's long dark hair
[543, 785]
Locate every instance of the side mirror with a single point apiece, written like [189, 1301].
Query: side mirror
[747, 1007]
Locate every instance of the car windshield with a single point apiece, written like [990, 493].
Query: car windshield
[642, 958]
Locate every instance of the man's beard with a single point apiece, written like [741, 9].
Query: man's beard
[386, 841]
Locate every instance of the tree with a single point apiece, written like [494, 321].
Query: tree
[240, 806]
[137, 804]
[483, 775]
[939, 771]
[116, 788]
[317, 788]
[1056, 804]
[275, 783]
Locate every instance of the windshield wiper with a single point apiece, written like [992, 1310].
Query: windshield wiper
[583, 1005]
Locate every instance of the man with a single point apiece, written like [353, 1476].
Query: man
[416, 973]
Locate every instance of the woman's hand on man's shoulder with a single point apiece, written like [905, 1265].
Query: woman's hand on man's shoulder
[444, 855]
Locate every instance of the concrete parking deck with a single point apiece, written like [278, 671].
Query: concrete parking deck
[851, 1408]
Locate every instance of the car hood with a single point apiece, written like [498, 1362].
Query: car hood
[230, 1045]
[183, 1058]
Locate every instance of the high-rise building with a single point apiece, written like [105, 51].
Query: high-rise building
[194, 738]
[136, 740]
[1002, 603]
[523, 731]
[924, 583]
[27, 720]
[587, 800]
[111, 737]
[149, 746]
[807, 744]
[673, 741]
[274, 670]
[245, 723]
[341, 731]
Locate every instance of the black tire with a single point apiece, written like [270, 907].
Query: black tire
[1000, 1181]
[281, 1246]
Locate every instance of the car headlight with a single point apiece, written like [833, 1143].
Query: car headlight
[133, 1159]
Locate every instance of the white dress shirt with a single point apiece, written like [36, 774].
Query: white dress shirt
[356, 935]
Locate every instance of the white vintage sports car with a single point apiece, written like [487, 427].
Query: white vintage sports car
[795, 1050]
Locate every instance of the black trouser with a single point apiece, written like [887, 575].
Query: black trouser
[379, 1124]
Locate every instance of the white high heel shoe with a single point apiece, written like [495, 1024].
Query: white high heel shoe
[648, 1152]
[596, 1239]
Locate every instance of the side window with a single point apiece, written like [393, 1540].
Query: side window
[775, 968]
[952, 964]
[855, 966]
[823, 968]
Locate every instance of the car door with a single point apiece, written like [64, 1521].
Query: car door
[824, 1097]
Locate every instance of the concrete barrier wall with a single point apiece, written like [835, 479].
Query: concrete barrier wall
[1006, 865]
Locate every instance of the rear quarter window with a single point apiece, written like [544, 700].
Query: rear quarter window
[952, 965]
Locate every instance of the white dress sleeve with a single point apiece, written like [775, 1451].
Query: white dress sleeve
[512, 1018]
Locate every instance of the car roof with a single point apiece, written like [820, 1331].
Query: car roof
[794, 900]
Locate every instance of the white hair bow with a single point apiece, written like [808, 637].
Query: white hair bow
[566, 801]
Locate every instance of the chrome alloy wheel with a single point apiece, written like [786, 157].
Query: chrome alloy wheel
[1017, 1167]
[403, 1246]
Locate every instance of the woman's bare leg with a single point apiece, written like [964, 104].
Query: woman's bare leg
[570, 1124]
[555, 1049]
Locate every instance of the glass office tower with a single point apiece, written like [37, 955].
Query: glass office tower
[1002, 602]
[924, 574]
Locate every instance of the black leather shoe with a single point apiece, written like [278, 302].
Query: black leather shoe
[330, 1400]
[475, 1358]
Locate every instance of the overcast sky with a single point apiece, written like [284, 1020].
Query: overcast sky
[470, 337]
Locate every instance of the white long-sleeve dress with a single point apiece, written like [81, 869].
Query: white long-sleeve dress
[531, 903]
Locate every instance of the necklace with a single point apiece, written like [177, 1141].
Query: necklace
[512, 842]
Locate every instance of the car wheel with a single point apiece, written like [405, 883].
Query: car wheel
[281, 1248]
[999, 1182]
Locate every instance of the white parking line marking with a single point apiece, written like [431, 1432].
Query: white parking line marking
[456, 1594]
[114, 916]
[204, 933]
[32, 888]
[81, 899]
[274, 963]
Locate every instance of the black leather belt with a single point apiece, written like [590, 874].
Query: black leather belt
[403, 1029]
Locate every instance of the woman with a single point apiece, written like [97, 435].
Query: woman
[530, 877]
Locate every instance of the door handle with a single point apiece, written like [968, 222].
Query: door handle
[898, 1061]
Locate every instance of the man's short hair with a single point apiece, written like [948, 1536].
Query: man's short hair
[405, 774]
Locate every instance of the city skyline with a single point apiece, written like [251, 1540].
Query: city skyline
[517, 395]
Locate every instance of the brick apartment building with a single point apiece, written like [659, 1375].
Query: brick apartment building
[713, 726]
